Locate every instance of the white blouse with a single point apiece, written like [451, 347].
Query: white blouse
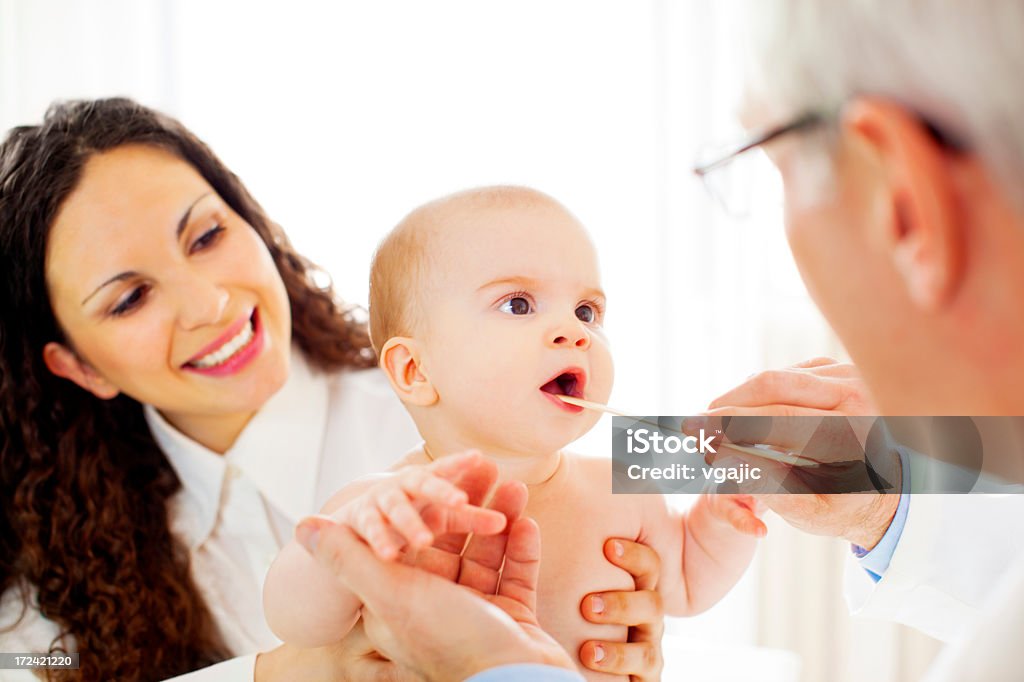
[235, 511]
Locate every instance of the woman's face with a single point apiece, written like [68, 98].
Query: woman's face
[165, 293]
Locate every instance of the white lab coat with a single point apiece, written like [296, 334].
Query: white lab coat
[954, 550]
[235, 511]
[992, 651]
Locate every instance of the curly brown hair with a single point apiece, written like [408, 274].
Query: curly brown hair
[84, 488]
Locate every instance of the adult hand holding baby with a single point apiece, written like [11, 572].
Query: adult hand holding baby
[639, 657]
[477, 568]
[488, 622]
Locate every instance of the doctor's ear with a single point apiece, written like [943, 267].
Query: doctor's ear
[919, 180]
[65, 363]
[400, 359]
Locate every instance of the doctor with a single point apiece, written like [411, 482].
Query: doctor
[896, 127]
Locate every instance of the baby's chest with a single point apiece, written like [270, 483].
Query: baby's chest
[573, 564]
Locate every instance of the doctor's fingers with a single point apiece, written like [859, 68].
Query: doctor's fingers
[820, 361]
[825, 387]
[814, 434]
[772, 476]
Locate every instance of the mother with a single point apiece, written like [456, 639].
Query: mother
[176, 390]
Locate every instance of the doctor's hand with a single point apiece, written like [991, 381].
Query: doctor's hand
[833, 391]
[822, 386]
[481, 629]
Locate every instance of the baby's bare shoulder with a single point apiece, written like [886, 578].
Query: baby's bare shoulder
[415, 457]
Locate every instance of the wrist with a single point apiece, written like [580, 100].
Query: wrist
[875, 522]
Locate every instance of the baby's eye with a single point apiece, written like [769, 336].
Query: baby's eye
[586, 313]
[517, 305]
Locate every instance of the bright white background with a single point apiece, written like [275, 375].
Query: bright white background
[341, 117]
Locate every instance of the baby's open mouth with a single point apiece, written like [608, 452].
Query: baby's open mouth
[569, 382]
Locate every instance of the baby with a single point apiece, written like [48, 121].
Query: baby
[484, 306]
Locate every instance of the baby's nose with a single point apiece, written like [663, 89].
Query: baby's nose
[571, 335]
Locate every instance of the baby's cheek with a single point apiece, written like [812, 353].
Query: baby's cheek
[602, 373]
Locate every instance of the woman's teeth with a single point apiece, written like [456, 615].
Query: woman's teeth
[227, 350]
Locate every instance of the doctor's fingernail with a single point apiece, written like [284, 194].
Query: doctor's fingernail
[597, 604]
[308, 535]
[598, 653]
[618, 548]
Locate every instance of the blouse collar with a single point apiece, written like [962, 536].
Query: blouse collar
[278, 451]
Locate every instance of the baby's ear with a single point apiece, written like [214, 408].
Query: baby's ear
[400, 359]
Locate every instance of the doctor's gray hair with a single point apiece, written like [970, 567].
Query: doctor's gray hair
[959, 65]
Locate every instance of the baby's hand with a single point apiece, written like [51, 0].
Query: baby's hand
[411, 506]
[742, 512]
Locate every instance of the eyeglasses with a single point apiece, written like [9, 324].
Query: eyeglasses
[733, 184]
[735, 177]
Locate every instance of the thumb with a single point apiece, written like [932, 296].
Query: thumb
[338, 550]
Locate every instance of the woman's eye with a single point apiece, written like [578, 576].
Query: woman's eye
[516, 305]
[131, 301]
[207, 238]
[586, 313]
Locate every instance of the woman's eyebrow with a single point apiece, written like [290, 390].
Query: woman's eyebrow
[116, 278]
[177, 235]
[188, 212]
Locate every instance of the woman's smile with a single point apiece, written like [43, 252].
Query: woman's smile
[232, 351]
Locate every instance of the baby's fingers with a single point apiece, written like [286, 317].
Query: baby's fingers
[396, 508]
[369, 523]
[424, 486]
[745, 521]
[463, 519]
